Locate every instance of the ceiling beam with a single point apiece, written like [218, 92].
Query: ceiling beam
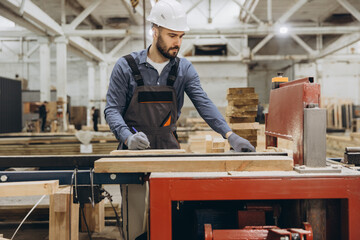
[84, 14]
[120, 45]
[193, 6]
[343, 42]
[137, 32]
[256, 19]
[350, 8]
[35, 14]
[32, 50]
[303, 44]
[86, 47]
[269, 11]
[291, 11]
[9, 14]
[118, 33]
[279, 57]
[76, 8]
[265, 30]
[280, 21]
[133, 18]
[262, 43]
[252, 9]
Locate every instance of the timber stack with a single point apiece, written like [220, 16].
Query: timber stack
[241, 112]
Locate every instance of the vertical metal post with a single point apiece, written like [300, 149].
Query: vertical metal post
[315, 137]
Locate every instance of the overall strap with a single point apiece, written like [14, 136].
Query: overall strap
[135, 70]
[173, 73]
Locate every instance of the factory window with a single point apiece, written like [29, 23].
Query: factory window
[211, 50]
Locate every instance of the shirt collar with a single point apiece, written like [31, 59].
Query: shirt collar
[143, 56]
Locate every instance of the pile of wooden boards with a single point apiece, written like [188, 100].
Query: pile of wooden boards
[53, 144]
[355, 125]
[216, 145]
[241, 112]
[339, 112]
[198, 143]
[336, 144]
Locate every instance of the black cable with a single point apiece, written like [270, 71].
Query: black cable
[71, 183]
[127, 211]
[83, 214]
[119, 225]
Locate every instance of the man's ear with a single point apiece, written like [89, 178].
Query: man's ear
[155, 31]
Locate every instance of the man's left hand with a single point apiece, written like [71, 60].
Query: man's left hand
[240, 144]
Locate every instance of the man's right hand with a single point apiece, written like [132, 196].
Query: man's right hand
[138, 141]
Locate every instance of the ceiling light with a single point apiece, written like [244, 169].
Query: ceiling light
[283, 30]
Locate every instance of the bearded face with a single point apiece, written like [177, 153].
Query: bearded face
[168, 42]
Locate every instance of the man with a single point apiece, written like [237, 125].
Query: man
[43, 115]
[146, 91]
[95, 118]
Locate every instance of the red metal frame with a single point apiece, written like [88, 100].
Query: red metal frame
[165, 190]
[286, 114]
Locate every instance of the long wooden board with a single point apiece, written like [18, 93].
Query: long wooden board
[148, 152]
[194, 164]
[28, 188]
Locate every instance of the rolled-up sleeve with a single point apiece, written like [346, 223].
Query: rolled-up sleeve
[116, 102]
[206, 108]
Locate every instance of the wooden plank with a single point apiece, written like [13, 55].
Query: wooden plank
[195, 164]
[242, 102]
[148, 152]
[242, 108]
[95, 217]
[63, 216]
[242, 114]
[236, 97]
[240, 119]
[28, 188]
[208, 143]
[254, 125]
[218, 143]
[240, 90]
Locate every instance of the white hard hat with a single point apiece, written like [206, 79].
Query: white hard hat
[169, 14]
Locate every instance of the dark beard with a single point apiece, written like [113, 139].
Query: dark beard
[162, 49]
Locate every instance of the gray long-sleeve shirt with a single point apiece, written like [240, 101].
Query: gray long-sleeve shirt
[122, 86]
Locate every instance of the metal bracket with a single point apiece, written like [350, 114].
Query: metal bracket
[327, 169]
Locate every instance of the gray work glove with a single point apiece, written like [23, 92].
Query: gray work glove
[240, 144]
[138, 141]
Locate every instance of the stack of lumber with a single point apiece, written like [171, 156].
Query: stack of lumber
[184, 132]
[339, 112]
[215, 145]
[195, 122]
[355, 126]
[241, 112]
[46, 144]
[197, 141]
[335, 145]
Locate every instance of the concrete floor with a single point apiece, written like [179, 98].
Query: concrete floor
[40, 231]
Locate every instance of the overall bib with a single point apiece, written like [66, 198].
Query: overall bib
[153, 110]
